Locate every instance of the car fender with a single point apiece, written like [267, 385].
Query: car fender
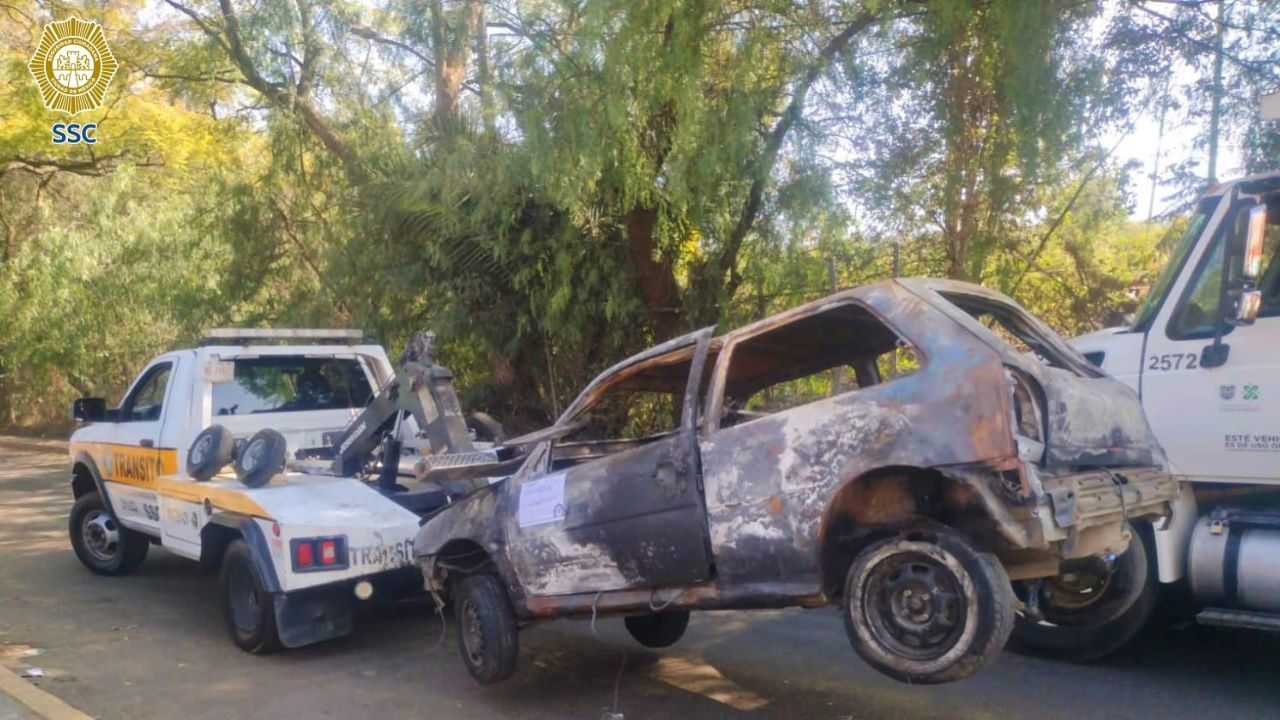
[472, 519]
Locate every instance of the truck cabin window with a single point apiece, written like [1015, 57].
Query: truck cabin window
[292, 384]
[817, 356]
[1197, 314]
[146, 401]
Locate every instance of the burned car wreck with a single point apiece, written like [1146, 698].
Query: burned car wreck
[902, 450]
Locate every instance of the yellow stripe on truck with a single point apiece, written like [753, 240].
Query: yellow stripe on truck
[157, 470]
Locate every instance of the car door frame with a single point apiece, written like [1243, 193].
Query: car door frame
[132, 467]
[593, 546]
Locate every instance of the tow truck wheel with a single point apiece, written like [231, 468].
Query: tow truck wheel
[261, 459]
[487, 633]
[1089, 614]
[104, 545]
[248, 608]
[658, 630]
[929, 610]
[209, 452]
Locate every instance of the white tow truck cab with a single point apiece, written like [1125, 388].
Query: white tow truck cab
[1204, 355]
[292, 553]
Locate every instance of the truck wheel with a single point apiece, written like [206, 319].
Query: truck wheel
[658, 630]
[486, 628]
[104, 545]
[1088, 616]
[209, 452]
[261, 459]
[248, 608]
[929, 610]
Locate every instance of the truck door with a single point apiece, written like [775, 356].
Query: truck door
[619, 506]
[1217, 423]
[130, 458]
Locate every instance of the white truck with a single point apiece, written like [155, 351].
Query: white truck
[294, 552]
[1204, 355]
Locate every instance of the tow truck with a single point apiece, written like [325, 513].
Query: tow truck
[337, 457]
[1202, 355]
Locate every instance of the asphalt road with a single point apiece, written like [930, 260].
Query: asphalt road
[152, 645]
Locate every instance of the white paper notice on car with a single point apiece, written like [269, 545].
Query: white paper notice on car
[542, 501]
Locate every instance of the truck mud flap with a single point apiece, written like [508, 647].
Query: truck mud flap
[310, 616]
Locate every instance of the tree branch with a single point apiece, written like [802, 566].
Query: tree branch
[763, 167]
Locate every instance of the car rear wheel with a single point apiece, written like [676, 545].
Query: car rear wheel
[100, 542]
[487, 634]
[658, 630]
[928, 609]
[1089, 613]
[248, 608]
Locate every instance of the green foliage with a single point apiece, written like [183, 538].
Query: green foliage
[614, 172]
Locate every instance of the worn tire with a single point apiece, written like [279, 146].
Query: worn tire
[485, 428]
[971, 627]
[209, 452]
[487, 635]
[1101, 629]
[247, 608]
[658, 630]
[100, 542]
[261, 459]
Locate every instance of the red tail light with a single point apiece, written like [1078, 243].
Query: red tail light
[328, 552]
[320, 553]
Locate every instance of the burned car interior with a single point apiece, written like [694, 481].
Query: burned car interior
[792, 364]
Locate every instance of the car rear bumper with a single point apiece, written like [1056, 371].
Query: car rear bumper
[1084, 512]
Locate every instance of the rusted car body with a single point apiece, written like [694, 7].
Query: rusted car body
[1028, 453]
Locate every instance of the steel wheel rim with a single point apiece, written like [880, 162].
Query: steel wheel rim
[200, 451]
[101, 535]
[914, 606]
[472, 637]
[243, 595]
[253, 455]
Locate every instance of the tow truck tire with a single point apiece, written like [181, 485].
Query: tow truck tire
[209, 452]
[261, 459]
[487, 633]
[658, 630]
[1104, 626]
[100, 542]
[248, 609]
[927, 610]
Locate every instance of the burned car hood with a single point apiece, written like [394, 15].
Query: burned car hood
[1092, 422]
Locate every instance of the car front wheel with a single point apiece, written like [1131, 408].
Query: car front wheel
[487, 634]
[931, 609]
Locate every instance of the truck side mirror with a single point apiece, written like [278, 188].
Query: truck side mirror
[1239, 298]
[1244, 293]
[89, 409]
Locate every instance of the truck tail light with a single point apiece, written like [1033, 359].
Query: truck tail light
[319, 553]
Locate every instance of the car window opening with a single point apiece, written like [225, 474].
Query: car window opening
[838, 350]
